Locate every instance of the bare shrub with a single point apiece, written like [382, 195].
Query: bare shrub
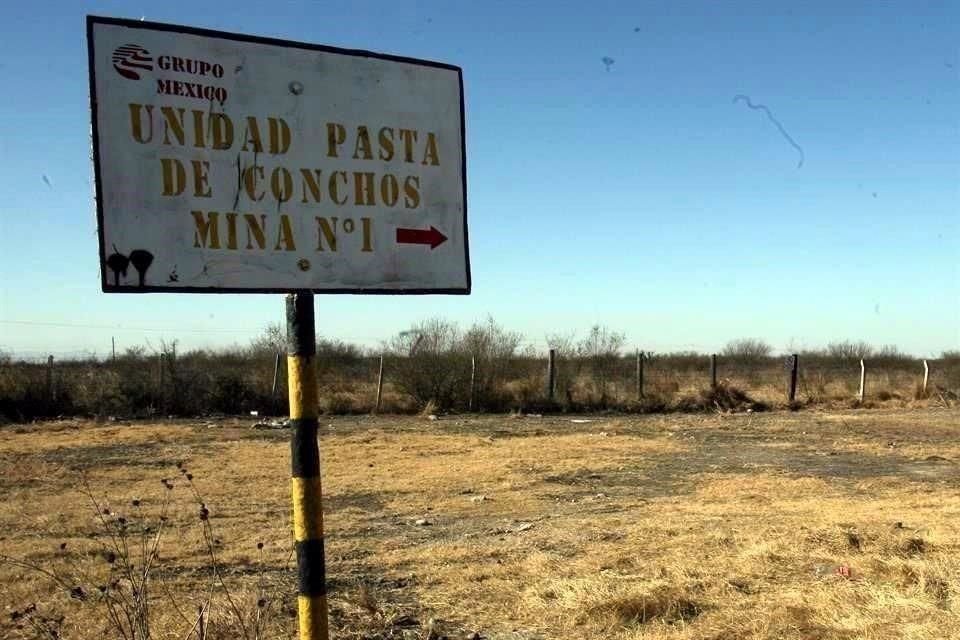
[747, 349]
[524, 392]
[495, 351]
[814, 386]
[891, 352]
[431, 363]
[101, 389]
[568, 365]
[340, 402]
[120, 572]
[847, 350]
[723, 397]
[600, 351]
[665, 385]
[273, 339]
[745, 358]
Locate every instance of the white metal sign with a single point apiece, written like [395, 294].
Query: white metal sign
[230, 163]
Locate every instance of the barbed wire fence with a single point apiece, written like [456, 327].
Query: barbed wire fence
[163, 381]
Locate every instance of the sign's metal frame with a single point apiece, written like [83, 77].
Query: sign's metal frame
[107, 287]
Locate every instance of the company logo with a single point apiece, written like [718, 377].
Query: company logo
[129, 57]
[132, 61]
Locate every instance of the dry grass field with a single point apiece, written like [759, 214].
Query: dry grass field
[793, 526]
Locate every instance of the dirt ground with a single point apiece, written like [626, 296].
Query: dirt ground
[806, 525]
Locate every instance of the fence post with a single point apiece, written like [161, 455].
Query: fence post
[792, 381]
[160, 394]
[376, 408]
[551, 374]
[51, 391]
[473, 383]
[863, 381]
[274, 403]
[639, 374]
[926, 377]
[713, 371]
[276, 375]
[305, 466]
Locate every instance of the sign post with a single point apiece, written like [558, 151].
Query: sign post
[227, 163]
[305, 464]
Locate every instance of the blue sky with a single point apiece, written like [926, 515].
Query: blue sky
[641, 197]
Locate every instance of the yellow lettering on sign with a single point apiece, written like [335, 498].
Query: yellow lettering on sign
[334, 187]
[199, 139]
[231, 230]
[252, 136]
[361, 149]
[255, 230]
[136, 123]
[250, 182]
[336, 136]
[173, 121]
[363, 188]
[222, 127]
[385, 138]
[285, 235]
[281, 184]
[389, 189]
[311, 183]
[367, 235]
[205, 236]
[411, 192]
[326, 232]
[430, 151]
[409, 138]
[174, 176]
[279, 135]
[201, 187]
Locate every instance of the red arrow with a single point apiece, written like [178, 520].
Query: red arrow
[431, 236]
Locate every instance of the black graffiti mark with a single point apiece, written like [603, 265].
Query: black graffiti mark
[117, 262]
[173, 277]
[46, 181]
[141, 261]
[210, 123]
[139, 258]
[776, 123]
[279, 201]
[607, 62]
[242, 172]
[236, 198]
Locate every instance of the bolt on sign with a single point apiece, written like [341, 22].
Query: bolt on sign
[231, 163]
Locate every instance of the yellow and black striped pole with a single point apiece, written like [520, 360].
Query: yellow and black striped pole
[305, 460]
